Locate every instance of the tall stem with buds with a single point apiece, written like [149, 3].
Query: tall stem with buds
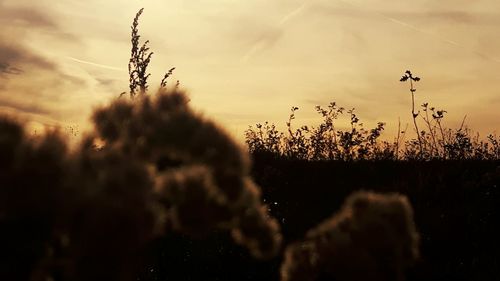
[409, 76]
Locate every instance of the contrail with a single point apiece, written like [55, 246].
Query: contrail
[293, 13]
[96, 64]
[256, 47]
[402, 23]
[262, 42]
[428, 33]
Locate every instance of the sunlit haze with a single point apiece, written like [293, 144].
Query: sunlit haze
[244, 62]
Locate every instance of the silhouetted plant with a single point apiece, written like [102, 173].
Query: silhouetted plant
[495, 142]
[140, 57]
[324, 137]
[408, 76]
[327, 142]
[373, 237]
[297, 143]
[265, 140]
[163, 83]
[324, 142]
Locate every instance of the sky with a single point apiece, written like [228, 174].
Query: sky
[246, 62]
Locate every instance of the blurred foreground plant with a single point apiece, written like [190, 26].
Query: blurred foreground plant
[373, 237]
[150, 167]
[87, 214]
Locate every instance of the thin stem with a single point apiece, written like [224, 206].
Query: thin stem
[414, 115]
[397, 139]
[432, 132]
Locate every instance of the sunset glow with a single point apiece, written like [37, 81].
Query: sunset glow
[244, 62]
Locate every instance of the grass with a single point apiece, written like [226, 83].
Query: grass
[328, 142]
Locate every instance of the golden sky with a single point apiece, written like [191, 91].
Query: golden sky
[244, 62]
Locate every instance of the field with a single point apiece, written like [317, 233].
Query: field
[155, 190]
[455, 204]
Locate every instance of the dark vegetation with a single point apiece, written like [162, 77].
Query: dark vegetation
[329, 141]
[455, 205]
[332, 142]
[157, 192]
[91, 213]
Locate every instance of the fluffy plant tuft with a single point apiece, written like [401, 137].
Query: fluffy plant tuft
[373, 237]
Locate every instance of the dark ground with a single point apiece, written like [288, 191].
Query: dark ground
[456, 206]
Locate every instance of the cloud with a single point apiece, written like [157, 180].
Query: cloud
[24, 107]
[7, 69]
[269, 37]
[33, 79]
[26, 17]
[418, 13]
[14, 58]
[20, 22]
[265, 40]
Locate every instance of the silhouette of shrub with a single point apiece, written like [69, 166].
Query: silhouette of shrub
[328, 142]
[32, 196]
[91, 212]
[163, 129]
[373, 237]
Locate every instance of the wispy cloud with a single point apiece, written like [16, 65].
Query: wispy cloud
[33, 82]
[26, 16]
[5, 68]
[14, 56]
[269, 38]
[437, 36]
[24, 107]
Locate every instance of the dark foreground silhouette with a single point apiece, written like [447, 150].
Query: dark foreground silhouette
[143, 192]
[455, 205]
